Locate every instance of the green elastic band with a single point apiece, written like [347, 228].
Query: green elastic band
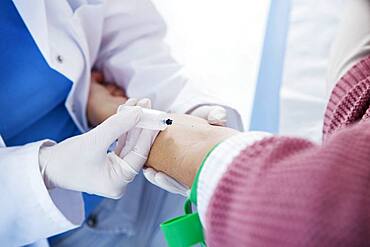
[186, 230]
[183, 231]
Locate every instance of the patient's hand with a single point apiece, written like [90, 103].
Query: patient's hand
[180, 149]
[104, 99]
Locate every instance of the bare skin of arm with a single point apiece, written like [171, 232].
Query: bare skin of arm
[180, 149]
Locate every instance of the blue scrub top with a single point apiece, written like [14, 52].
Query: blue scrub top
[32, 95]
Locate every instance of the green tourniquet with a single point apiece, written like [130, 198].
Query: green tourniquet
[186, 230]
[183, 231]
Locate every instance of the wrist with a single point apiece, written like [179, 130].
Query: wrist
[216, 136]
[180, 149]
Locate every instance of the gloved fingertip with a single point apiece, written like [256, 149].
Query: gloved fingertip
[146, 103]
[131, 114]
[149, 174]
[129, 102]
[148, 170]
[136, 111]
[217, 116]
[218, 113]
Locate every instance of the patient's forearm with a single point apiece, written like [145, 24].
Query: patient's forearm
[179, 150]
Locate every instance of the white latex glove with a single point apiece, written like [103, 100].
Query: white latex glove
[215, 115]
[81, 163]
[165, 182]
[128, 140]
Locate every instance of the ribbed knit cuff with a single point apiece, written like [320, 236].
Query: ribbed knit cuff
[216, 165]
[349, 99]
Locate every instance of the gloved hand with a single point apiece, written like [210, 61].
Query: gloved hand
[165, 182]
[215, 115]
[128, 140]
[81, 163]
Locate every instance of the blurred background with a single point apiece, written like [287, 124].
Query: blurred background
[220, 44]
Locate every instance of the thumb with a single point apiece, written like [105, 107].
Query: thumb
[138, 155]
[217, 116]
[112, 128]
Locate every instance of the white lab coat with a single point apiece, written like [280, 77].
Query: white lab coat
[304, 90]
[124, 38]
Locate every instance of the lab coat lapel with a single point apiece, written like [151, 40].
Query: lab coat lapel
[34, 16]
[77, 99]
[2, 143]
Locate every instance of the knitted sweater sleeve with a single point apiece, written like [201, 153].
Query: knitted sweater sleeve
[290, 192]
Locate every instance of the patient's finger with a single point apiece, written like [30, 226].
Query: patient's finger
[119, 92]
[110, 87]
[97, 76]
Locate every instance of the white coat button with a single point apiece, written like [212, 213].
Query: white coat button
[59, 59]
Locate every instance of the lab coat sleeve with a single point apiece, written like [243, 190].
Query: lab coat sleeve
[134, 55]
[29, 211]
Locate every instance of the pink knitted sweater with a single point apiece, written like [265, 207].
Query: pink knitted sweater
[290, 192]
